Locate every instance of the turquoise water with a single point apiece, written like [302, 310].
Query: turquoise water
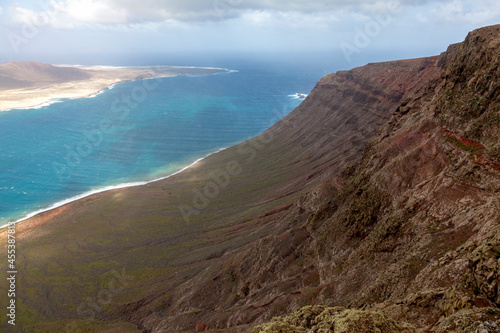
[135, 132]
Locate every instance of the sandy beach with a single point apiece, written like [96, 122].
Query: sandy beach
[99, 79]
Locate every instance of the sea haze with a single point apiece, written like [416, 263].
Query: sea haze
[60, 151]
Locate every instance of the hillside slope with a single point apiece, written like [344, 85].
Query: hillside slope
[19, 74]
[306, 213]
[70, 253]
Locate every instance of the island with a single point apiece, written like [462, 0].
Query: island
[27, 84]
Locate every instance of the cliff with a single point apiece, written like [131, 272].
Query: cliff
[414, 231]
[379, 193]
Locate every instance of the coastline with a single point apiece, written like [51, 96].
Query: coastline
[84, 195]
[101, 78]
[59, 99]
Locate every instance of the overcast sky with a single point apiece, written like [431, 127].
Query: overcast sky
[355, 31]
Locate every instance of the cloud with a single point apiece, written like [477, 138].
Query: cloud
[139, 14]
[71, 13]
[461, 11]
[381, 6]
[92, 11]
[289, 20]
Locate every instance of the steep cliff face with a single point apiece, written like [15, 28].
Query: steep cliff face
[468, 103]
[415, 229]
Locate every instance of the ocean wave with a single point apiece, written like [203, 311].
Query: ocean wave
[298, 96]
[43, 105]
[100, 91]
[195, 67]
[94, 95]
[36, 107]
[104, 189]
[111, 67]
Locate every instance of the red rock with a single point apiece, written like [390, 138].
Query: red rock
[201, 327]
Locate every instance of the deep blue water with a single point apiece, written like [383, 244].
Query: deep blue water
[137, 131]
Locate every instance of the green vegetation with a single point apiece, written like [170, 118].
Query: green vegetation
[474, 150]
[337, 320]
[367, 203]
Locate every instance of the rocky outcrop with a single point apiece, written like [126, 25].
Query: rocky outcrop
[479, 320]
[338, 320]
[470, 92]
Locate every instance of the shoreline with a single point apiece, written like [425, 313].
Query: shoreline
[60, 100]
[87, 194]
[101, 78]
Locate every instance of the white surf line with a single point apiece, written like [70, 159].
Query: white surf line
[63, 99]
[111, 86]
[104, 189]
[36, 107]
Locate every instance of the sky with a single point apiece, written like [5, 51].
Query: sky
[347, 33]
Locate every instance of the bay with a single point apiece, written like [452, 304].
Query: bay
[135, 132]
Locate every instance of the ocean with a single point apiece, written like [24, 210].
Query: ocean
[137, 132]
